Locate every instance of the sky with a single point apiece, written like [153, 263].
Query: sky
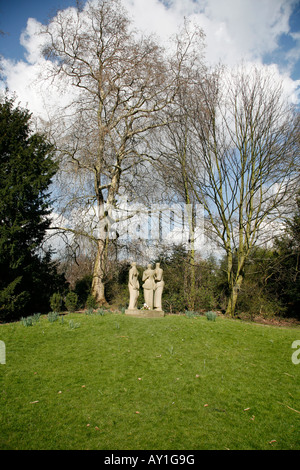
[264, 32]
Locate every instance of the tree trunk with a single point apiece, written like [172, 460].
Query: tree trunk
[193, 278]
[100, 267]
[98, 284]
[234, 292]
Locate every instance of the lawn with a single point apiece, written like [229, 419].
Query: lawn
[173, 383]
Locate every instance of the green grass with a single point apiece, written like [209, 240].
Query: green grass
[172, 383]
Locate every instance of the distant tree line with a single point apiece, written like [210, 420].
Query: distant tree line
[271, 287]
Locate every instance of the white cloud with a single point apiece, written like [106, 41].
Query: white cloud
[253, 27]
[235, 30]
[32, 41]
[20, 79]
[24, 77]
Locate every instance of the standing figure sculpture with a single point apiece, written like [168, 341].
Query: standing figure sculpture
[149, 286]
[133, 285]
[159, 286]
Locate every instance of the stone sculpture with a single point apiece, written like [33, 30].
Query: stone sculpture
[133, 285]
[159, 286]
[149, 286]
[153, 285]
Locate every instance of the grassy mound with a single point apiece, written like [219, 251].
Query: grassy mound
[115, 382]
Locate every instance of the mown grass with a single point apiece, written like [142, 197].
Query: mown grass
[171, 383]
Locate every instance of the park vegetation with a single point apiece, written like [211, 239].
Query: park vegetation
[154, 125]
[27, 275]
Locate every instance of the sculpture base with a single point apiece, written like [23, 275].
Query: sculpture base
[145, 313]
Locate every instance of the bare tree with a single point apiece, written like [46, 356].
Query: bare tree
[172, 145]
[245, 163]
[172, 142]
[122, 81]
[233, 149]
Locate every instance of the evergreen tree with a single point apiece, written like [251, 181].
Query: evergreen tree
[286, 277]
[26, 169]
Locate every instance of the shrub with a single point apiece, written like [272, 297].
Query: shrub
[52, 316]
[36, 317]
[83, 288]
[206, 297]
[27, 321]
[190, 314]
[211, 316]
[91, 302]
[56, 302]
[73, 325]
[254, 299]
[100, 312]
[71, 301]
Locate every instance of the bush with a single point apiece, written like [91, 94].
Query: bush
[52, 316]
[29, 321]
[56, 302]
[71, 301]
[254, 299]
[83, 288]
[100, 312]
[190, 314]
[206, 297]
[211, 316]
[73, 325]
[91, 302]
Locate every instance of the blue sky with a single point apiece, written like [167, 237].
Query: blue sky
[259, 31]
[286, 43]
[15, 13]
[13, 20]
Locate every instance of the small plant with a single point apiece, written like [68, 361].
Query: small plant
[100, 311]
[27, 321]
[52, 316]
[71, 301]
[56, 302]
[211, 316]
[190, 314]
[30, 321]
[73, 325]
[89, 311]
[36, 317]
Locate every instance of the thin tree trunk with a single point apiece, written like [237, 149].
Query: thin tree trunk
[233, 297]
[193, 278]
